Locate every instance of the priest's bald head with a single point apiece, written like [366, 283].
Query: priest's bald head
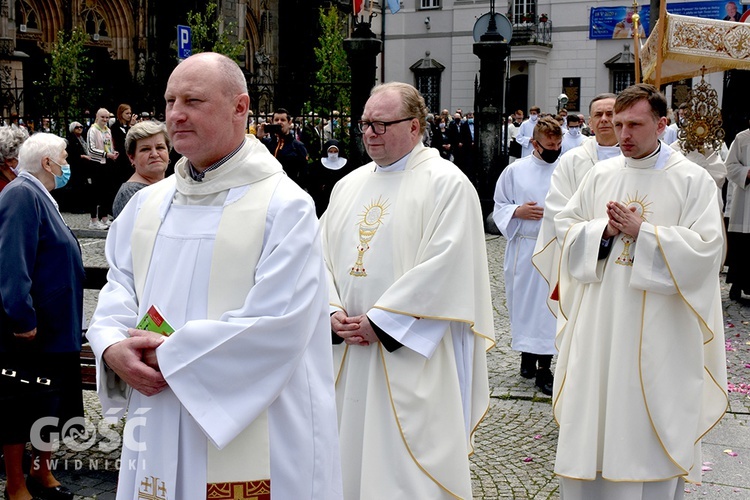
[207, 106]
[393, 121]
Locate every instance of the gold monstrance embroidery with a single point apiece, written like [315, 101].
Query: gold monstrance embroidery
[369, 222]
[152, 488]
[641, 208]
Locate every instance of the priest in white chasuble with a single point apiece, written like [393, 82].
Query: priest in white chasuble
[519, 207]
[238, 402]
[641, 374]
[568, 175]
[403, 240]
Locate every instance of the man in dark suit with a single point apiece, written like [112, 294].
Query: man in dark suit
[466, 141]
[282, 144]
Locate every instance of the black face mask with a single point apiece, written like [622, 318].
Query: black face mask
[549, 155]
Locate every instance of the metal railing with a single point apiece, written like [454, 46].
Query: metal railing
[532, 33]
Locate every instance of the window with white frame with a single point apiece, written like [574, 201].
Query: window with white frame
[524, 11]
[429, 4]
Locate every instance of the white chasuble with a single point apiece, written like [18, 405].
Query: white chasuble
[568, 175]
[641, 374]
[410, 242]
[250, 411]
[531, 322]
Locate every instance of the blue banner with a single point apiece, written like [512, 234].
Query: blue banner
[616, 22]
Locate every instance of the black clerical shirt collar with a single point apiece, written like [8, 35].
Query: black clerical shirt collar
[198, 176]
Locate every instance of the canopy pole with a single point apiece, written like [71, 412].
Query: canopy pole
[636, 42]
[660, 45]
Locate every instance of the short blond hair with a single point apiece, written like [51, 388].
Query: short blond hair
[547, 127]
[144, 130]
[412, 101]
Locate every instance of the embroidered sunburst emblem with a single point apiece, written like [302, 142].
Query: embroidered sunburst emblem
[369, 222]
[640, 204]
[642, 209]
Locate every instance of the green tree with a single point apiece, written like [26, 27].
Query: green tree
[334, 75]
[69, 75]
[208, 36]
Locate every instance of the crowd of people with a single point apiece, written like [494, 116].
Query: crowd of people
[332, 343]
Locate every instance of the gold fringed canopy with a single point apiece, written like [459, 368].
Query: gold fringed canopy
[685, 46]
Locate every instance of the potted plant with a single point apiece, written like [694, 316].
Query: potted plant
[543, 18]
[527, 18]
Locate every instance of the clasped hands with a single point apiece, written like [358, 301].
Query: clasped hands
[134, 360]
[355, 330]
[622, 220]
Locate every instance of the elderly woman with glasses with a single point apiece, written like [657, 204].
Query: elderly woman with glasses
[41, 293]
[11, 138]
[147, 146]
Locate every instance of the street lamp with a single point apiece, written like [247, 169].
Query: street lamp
[562, 100]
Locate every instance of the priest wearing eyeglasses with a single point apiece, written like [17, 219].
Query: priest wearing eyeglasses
[411, 313]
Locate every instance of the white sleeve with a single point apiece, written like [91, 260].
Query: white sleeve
[506, 204]
[421, 335]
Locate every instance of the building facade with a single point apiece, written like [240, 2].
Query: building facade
[552, 52]
[133, 46]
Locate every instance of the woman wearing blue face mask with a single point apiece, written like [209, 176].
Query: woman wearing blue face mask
[41, 298]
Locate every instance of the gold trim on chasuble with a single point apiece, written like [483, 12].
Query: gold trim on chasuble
[250, 490]
[369, 222]
[640, 207]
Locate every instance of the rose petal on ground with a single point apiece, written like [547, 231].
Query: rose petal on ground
[528, 459]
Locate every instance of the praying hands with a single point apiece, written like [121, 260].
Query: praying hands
[622, 220]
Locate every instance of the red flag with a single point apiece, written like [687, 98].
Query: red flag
[357, 6]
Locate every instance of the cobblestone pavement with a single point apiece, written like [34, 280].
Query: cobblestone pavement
[515, 444]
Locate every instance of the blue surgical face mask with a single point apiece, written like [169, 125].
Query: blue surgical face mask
[62, 179]
[470, 120]
[574, 131]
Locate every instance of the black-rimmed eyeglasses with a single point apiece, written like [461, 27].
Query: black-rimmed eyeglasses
[378, 128]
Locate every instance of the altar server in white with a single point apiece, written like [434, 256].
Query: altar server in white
[526, 131]
[404, 244]
[641, 374]
[238, 402]
[738, 171]
[519, 207]
[572, 137]
[568, 175]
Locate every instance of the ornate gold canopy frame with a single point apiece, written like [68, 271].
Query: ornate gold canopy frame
[684, 46]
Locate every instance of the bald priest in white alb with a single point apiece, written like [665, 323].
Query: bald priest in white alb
[404, 245]
[238, 402]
